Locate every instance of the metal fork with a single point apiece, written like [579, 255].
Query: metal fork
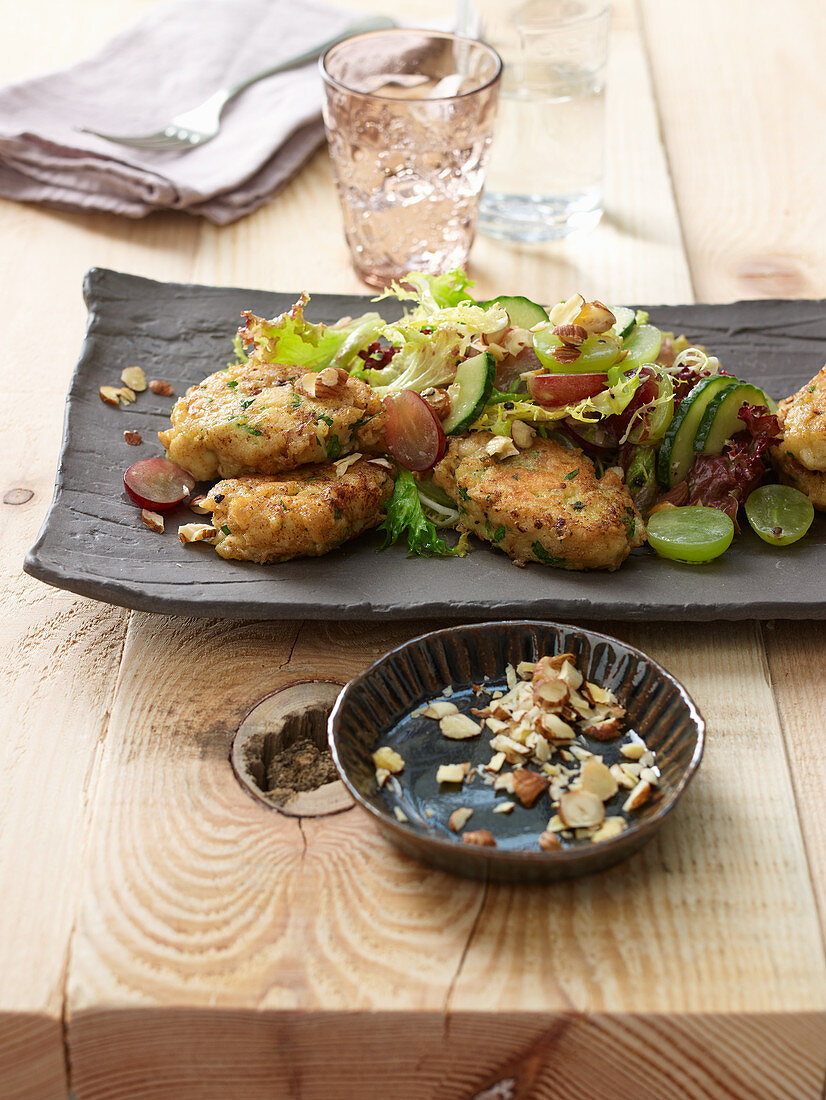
[201, 124]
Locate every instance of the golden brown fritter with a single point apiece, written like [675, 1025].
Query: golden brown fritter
[304, 513]
[544, 504]
[261, 419]
[800, 456]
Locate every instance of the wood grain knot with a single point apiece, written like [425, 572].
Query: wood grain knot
[17, 496]
[772, 276]
[280, 752]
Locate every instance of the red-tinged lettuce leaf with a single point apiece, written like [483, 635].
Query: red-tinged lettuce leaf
[724, 481]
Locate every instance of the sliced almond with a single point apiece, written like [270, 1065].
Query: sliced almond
[523, 434]
[597, 779]
[541, 748]
[504, 782]
[439, 708]
[596, 694]
[459, 818]
[495, 763]
[503, 807]
[563, 313]
[458, 727]
[529, 785]
[134, 378]
[343, 465]
[611, 827]
[651, 775]
[452, 773]
[127, 396]
[501, 446]
[496, 725]
[388, 758]
[385, 463]
[605, 730]
[595, 317]
[481, 837]
[581, 809]
[158, 386]
[134, 439]
[552, 692]
[549, 842]
[382, 775]
[555, 825]
[196, 505]
[400, 814]
[512, 749]
[196, 532]
[622, 778]
[554, 728]
[580, 753]
[638, 797]
[153, 520]
[110, 395]
[524, 670]
[647, 759]
[570, 674]
[633, 751]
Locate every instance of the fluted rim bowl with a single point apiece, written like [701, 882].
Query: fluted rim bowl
[375, 709]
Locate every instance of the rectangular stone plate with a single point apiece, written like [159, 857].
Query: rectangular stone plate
[93, 541]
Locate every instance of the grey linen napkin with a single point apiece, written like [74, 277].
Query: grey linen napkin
[168, 62]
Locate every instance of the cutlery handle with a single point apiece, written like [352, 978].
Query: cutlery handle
[374, 23]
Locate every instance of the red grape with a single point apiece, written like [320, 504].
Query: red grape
[414, 434]
[158, 484]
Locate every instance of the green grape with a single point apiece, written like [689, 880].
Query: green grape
[779, 514]
[596, 354]
[692, 534]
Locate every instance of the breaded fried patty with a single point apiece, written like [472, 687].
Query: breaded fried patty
[545, 504]
[305, 513]
[800, 456]
[260, 420]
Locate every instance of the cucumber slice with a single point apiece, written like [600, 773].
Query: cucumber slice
[470, 392]
[625, 320]
[677, 450]
[643, 345]
[719, 422]
[523, 312]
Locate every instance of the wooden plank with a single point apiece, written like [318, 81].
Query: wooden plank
[737, 84]
[797, 657]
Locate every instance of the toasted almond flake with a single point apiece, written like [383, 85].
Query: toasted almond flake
[196, 532]
[496, 725]
[127, 396]
[611, 827]
[501, 446]
[651, 775]
[553, 692]
[344, 464]
[606, 730]
[632, 769]
[110, 395]
[563, 313]
[597, 778]
[632, 751]
[540, 746]
[153, 520]
[570, 674]
[549, 842]
[447, 692]
[622, 778]
[581, 809]
[459, 818]
[385, 463]
[497, 695]
[580, 753]
[400, 814]
[551, 769]
[555, 825]
[502, 743]
[523, 434]
[382, 775]
[503, 807]
[638, 797]
[495, 763]
[524, 670]
[599, 694]
[567, 756]
[504, 782]
[529, 785]
[554, 728]
[647, 759]
[134, 378]
[160, 387]
[481, 837]
[458, 727]
[510, 676]
[196, 505]
[385, 757]
[439, 708]
[452, 773]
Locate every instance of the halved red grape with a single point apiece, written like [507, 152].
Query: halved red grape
[565, 389]
[158, 484]
[414, 434]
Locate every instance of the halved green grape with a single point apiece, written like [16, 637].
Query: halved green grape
[642, 345]
[596, 354]
[692, 534]
[779, 514]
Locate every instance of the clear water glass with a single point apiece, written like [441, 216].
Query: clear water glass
[545, 176]
[409, 117]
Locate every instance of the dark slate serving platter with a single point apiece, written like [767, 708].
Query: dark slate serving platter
[94, 543]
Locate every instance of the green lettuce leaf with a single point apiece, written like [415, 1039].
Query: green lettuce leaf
[431, 292]
[405, 516]
[291, 339]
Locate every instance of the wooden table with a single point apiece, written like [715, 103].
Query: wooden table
[163, 935]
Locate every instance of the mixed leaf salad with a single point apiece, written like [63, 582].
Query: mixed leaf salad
[688, 435]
